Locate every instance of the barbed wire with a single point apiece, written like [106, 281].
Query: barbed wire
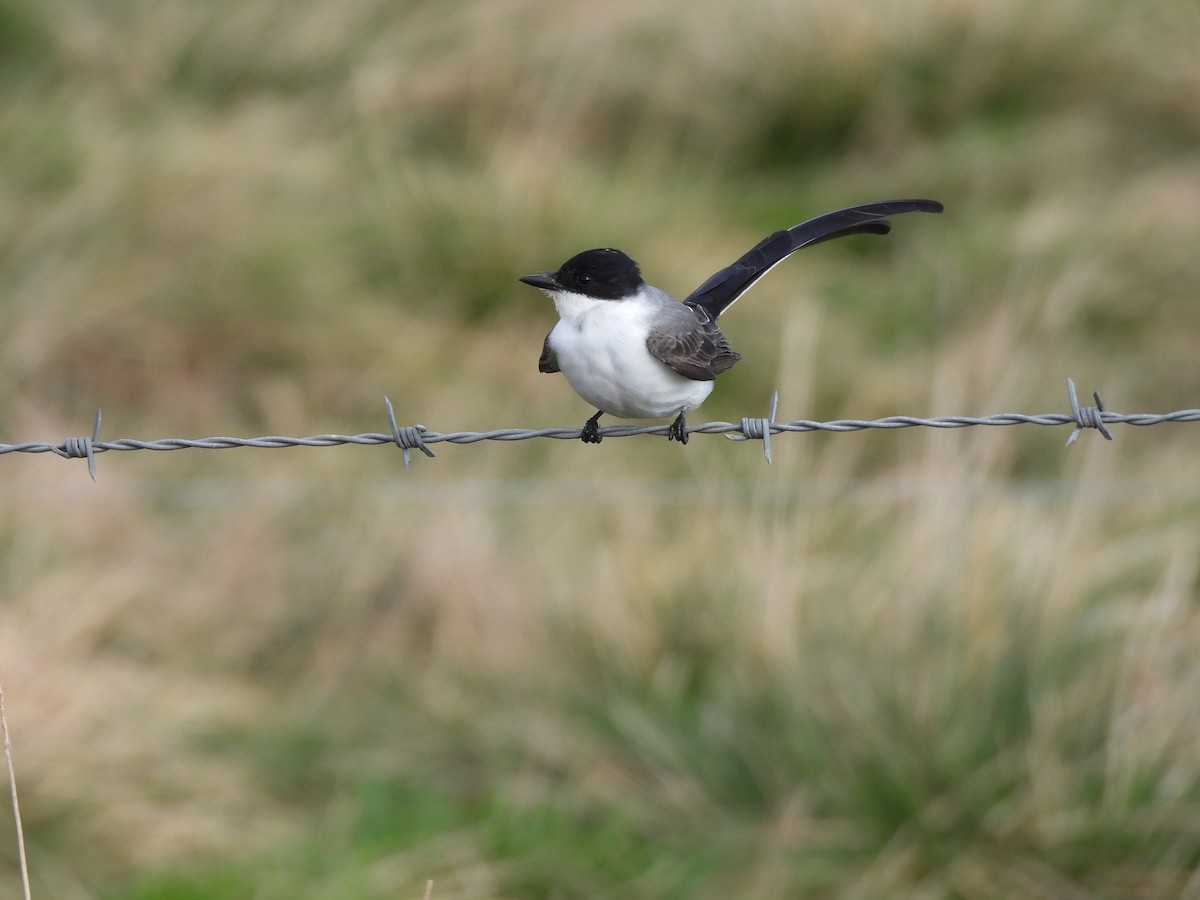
[418, 437]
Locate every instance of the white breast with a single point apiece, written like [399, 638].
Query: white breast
[601, 349]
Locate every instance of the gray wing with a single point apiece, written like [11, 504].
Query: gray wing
[688, 340]
[549, 360]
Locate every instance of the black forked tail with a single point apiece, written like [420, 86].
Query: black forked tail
[720, 291]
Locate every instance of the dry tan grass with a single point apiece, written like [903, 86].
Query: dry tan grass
[261, 217]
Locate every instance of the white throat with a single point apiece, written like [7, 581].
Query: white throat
[601, 349]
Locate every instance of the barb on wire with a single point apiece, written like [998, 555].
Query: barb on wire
[418, 437]
[1087, 416]
[81, 447]
[407, 438]
[759, 429]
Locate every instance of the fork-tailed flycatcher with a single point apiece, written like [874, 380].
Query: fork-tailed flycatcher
[635, 352]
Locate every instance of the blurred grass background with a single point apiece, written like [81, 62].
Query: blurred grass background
[908, 664]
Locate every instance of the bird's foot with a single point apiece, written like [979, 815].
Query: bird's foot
[591, 430]
[678, 430]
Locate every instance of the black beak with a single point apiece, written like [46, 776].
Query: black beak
[543, 280]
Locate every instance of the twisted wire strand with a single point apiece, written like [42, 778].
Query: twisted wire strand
[418, 437]
[520, 434]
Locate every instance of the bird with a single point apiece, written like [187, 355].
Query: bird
[633, 351]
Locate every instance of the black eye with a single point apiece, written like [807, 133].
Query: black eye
[583, 278]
